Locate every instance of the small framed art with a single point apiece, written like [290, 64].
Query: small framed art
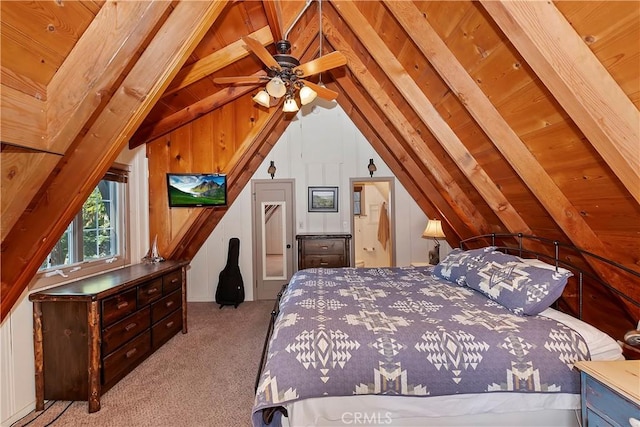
[323, 199]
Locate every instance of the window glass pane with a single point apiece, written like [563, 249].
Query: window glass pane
[61, 253]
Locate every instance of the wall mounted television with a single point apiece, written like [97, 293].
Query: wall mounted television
[197, 189]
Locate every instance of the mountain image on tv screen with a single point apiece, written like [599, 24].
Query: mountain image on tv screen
[197, 190]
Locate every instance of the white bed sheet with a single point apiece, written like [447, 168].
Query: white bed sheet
[485, 409]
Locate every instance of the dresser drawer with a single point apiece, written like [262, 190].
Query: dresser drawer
[119, 333]
[172, 281]
[323, 246]
[166, 328]
[165, 306]
[608, 405]
[126, 358]
[149, 292]
[118, 306]
[327, 261]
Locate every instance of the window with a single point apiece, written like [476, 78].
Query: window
[358, 200]
[98, 232]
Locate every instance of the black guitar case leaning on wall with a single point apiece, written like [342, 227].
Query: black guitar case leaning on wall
[230, 286]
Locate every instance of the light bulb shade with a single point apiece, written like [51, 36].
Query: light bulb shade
[290, 105]
[307, 95]
[262, 98]
[276, 87]
[433, 229]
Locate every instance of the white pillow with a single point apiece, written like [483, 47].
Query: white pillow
[601, 346]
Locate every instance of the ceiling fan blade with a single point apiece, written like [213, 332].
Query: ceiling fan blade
[240, 79]
[261, 52]
[322, 91]
[326, 62]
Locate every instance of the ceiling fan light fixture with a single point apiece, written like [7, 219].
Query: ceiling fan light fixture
[262, 98]
[307, 95]
[276, 87]
[290, 106]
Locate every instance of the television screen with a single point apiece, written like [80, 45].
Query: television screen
[197, 189]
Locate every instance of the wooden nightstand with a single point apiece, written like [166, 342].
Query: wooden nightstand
[610, 392]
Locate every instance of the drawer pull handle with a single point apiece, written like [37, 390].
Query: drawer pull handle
[324, 263]
[169, 304]
[174, 280]
[152, 291]
[325, 247]
[170, 324]
[131, 352]
[130, 326]
[122, 305]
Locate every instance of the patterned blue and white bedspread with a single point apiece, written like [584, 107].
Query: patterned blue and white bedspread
[401, 331]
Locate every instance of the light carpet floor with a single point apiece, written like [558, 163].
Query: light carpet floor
[203, 378]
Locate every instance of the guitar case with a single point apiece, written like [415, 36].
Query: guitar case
[230, 289]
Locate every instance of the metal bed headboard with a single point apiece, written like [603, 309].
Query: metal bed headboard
[559, 249]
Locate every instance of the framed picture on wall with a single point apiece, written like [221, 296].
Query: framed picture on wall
[323, 199]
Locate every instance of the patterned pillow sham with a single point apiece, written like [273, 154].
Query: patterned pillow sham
[456, 264]
[521, 287]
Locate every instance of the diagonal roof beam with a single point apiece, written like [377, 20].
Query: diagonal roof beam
[273, 10]
[504, 138]
[216, 61]
[32, 239]
[578, 81]
[431, 118]
[458, 200]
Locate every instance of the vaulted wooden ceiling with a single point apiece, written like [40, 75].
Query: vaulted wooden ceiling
[497, 116]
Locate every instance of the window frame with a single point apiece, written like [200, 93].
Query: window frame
[64, 273]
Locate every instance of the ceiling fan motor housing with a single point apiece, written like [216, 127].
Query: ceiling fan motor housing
[283, 47]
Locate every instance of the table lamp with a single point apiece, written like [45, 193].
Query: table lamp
[434, 231]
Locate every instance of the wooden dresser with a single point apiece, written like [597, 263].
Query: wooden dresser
[323, 250]
[90, 333]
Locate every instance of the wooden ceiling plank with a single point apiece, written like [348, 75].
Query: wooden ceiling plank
[190, 113]
[273, 10]
[399, 161]
[431, 118]
[503, 137]
[23, 120]
[460, 202]
[23, 84]
[216, 61]
[578, 81]
[89, 74]
[31, 239]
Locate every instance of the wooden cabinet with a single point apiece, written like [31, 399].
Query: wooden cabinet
[90, 333]
[610, 394]
[323, 250]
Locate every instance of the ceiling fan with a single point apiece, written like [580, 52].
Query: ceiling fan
[285, 75]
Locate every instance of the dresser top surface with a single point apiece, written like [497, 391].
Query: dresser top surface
[621, 375]
[94, 287]
[323, 236]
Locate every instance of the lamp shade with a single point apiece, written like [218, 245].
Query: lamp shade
[433, 229]
[262, 98]
[307, 95]
[276, 87]
[290, 105]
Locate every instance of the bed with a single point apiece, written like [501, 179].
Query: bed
[472, 340]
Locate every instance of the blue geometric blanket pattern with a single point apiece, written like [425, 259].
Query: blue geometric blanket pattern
[402, 331]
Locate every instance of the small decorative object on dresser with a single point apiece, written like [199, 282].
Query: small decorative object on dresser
[610, 393]
[323, 250]
[90, 333]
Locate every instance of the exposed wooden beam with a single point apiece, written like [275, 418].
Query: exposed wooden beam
[216, 61]
[190, 113]
[577, 80]
[431, 118]
[32, 239]
[23, 120]
[273, 11]
[459, 200]
[88, 75]
[408, 172]
[501, 134]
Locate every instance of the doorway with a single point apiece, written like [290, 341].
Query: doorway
[373, 222]
[273, 216]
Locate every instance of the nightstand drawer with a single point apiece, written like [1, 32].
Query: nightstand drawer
[609, 406]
